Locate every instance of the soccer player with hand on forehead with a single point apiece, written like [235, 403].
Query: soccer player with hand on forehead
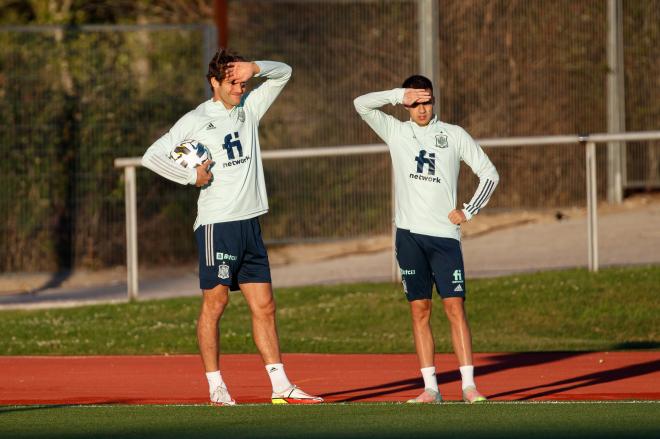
[232, 254]
[426, 155]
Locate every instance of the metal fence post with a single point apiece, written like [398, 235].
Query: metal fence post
[616, 111]
[209, 47]
[428, 17]
[396, 274]
[131, 233]
[592, 206]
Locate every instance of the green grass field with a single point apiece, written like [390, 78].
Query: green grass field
[496, 420]
[569, 310]
[616, 309]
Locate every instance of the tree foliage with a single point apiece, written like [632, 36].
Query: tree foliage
[72, 100]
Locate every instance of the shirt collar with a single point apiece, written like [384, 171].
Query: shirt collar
[433, 120]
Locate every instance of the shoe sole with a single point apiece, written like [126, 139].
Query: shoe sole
[221, 404]
[414, 401]
[476, 401]
[295, 401]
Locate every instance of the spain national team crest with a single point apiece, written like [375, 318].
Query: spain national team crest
[223, 271]
[441, 141]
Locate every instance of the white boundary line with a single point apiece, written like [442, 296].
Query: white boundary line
[366, 403]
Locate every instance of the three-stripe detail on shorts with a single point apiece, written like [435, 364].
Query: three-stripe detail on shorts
[208, 238]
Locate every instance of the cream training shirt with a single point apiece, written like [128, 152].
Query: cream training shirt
[426, 163]
[238, 188]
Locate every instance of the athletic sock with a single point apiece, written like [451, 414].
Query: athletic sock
[214, 379]
[467, 375]
[278, 378]
[430, 380]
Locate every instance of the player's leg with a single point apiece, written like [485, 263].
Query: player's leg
[447, 263]
[214, 302]
[461, 338]
[420, 311]
[255, 282]
[259, 297]
[215, 282]
[417, 285]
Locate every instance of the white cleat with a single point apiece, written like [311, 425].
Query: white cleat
[472, 396]
[294, 395]
[220, 396]
[428, 396]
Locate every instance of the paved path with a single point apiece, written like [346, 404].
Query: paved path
[625, 238]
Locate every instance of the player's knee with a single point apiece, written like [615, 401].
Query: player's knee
[265, 308]
[454, 311]
[421, 310]
[215, 306]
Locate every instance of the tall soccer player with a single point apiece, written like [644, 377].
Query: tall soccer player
[426, 155]
[232, 254]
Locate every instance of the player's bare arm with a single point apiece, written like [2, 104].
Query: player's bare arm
[241, 71]
[415, 95]
[203, 174]
[457, 217]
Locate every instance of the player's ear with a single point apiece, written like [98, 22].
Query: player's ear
[214, 82]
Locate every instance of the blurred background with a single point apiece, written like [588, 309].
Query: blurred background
[85, 82]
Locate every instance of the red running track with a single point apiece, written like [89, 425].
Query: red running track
[338, 378]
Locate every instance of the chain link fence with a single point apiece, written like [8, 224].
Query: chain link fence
[74, 99]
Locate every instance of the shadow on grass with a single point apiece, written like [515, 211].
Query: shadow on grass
[29, 408]
[631, 345]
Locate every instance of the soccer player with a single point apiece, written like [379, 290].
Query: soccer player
[232, 254]
[426, 155]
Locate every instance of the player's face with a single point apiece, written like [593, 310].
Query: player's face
[421, 112]
[229, 92]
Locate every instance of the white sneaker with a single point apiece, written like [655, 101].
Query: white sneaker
[294, 395]
[428, 396]
[472, 396]
[220, 396]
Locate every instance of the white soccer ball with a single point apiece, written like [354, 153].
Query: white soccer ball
[190, 154]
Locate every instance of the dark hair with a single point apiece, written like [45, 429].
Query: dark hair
[418, 81]
[218, 64]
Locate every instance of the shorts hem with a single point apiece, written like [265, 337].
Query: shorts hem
[255, 281]
[462, 296]
[209, 284]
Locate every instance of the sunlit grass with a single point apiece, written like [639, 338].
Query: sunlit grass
[561, 310]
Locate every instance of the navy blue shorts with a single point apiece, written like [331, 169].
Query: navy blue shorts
[231, 253]
[425, 260]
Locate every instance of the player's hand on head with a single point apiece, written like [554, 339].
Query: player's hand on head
[241, 71]
[457, 217]
[204, 175]
[413, 95]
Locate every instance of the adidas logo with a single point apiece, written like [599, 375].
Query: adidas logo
[210, 126]
[458, 288]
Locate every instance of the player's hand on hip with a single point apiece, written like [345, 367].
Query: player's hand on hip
[204, 176]
[457, 217]
[241, 71]
[413, 95]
